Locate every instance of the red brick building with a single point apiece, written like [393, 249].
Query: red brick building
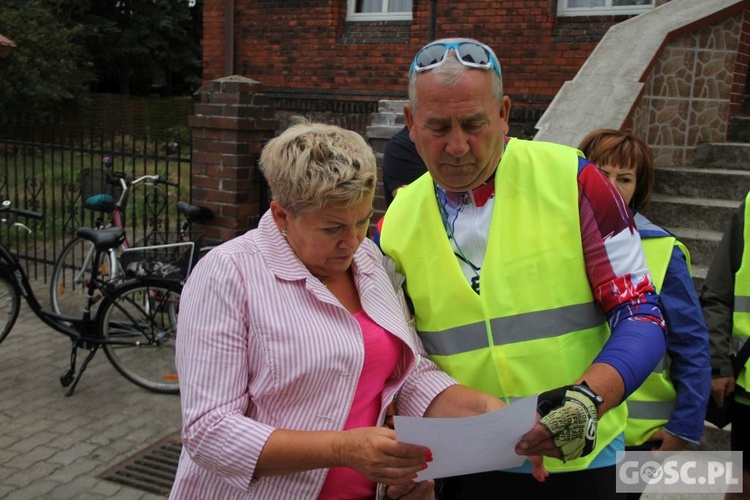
[336, 59]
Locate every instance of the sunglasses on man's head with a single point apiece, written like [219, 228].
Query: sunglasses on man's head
[470, 54]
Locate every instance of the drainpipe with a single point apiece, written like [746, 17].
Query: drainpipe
[229, 38]
[433, 16]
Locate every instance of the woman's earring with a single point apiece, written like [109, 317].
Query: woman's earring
[284, 232]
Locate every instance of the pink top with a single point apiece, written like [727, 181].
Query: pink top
[262, 345]
[381, 352]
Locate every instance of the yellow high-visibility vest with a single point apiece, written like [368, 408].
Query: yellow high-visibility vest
[535, 325]
[650, 406]
[741, 310]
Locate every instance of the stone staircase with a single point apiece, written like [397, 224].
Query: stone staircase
[695, 202]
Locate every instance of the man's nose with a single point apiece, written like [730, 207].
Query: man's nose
[458, 143]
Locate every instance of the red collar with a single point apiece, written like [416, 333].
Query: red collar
[484, 193]
[481, 194]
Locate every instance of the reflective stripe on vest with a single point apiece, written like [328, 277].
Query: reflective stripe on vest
[512, 329]
[535, 326]
[650, 406]
[741, 311]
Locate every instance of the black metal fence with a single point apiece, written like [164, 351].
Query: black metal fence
[43, 168]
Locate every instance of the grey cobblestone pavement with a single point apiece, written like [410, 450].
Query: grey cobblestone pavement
[56, 447]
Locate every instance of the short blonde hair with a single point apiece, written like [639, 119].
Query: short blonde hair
[315, 165]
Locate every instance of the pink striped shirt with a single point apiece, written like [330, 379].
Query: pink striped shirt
[262, 345]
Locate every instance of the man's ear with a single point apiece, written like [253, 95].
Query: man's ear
[504, 113]
[409, 119]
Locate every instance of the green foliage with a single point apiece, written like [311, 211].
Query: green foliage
[49, 64]
[179, 133]
[68, 48]
[145, 47]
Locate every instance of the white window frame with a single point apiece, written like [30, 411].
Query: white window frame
[384, 15]
[606, 10]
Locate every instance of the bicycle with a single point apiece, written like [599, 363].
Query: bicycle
[135, 324]
[108, 195]
[194, 214]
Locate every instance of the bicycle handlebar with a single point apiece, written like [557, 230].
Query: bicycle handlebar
[5, 207]
[118, 180]
[154, 179]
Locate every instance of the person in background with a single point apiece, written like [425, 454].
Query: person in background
[725, 296]
[293, 340]
[401, 164]
[668, 411]
[519, 259]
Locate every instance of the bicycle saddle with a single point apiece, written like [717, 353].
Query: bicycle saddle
[195, 213]
[103, 239]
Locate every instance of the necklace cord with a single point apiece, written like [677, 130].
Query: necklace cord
[449, 226]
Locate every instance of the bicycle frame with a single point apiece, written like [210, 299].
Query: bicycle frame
[113, 212]
[68, 326]
[115, 218]
[77, 329]
[130, 325]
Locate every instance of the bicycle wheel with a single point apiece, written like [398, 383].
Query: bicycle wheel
[10, 304]
[71, 275]
[138, 321]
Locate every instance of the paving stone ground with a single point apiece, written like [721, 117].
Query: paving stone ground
[56, 447]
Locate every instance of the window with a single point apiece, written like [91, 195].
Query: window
[603, 7]
[379, 10]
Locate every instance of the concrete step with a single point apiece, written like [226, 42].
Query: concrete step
[739, 128]
[699, 276]
[701, 214]
[716, 183]
[695, 202]
[701, 243]
[733, 155]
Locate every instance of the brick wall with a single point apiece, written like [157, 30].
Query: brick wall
[305, 52]
[214, 20]
[231, 123]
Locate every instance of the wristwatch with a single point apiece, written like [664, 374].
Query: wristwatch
[584, 388]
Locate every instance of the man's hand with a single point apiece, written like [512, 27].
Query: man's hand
[721, 388]
[569, 415]
[669, 442]
[423, 490]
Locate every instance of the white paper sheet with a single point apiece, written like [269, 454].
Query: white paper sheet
[472, 444]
